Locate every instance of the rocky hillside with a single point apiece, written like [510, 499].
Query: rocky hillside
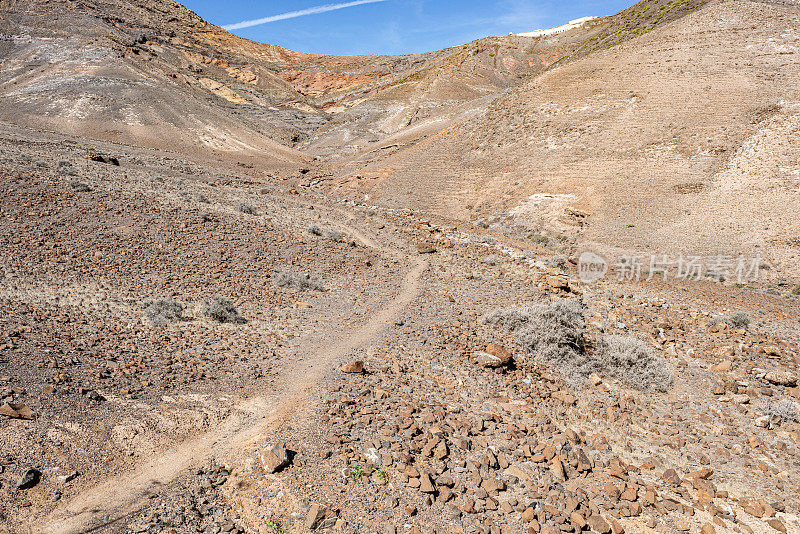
[156, 70]
[681, 140]
[246, 290]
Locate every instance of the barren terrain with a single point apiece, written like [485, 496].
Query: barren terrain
[250, 290]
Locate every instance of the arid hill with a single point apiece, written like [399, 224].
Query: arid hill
[249, 290]
[682, 141]
[155, 74]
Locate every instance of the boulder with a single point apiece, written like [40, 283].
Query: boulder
[498, 351]
[598, 524]
[29, 479]
[484, 359]
[781, 378]
[426, 248]
[275, 458]
[356, 367]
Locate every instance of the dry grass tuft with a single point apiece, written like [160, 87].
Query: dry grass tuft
[288, 278]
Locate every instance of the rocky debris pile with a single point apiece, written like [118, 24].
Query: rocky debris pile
[196, 504]
[410, 450]
[508, 445]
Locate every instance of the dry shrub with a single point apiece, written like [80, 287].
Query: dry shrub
[629, 359]
[222, 310]
[783, 410]
[554, 334]
[247, 209]
[79, 187]
[161, 312]
[737, 319]
[288, 278]
[326, 233]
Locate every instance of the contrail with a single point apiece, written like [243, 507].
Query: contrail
[299, 13]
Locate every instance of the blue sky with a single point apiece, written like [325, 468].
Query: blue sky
[393, 26]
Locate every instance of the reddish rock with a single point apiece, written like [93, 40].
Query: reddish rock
[356, 367]
[499, 352]
[426, 248]
[598, 524]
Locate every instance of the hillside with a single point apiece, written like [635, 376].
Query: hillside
[693, 123]
[541, 284]
[151, 71]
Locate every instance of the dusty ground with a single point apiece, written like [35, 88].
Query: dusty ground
[164, 428]
[361, 387]
[683, 140]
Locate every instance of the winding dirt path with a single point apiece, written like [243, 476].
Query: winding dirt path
[110, 502]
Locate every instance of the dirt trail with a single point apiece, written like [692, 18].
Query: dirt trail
[105, 504]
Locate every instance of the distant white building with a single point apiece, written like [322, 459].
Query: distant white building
[577, 23]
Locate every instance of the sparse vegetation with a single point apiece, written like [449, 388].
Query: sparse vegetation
[540, 239]
[289, 278]
[784, 410]
[247, 209]
[554, 334]
[222, 310]
[357, 473]
[556, 262]
[737, 319]
[162, 312]
[79, 187]
[67, 168]
[275, 527]
[630, 360]
[491, 260]
[632, 23]
[326, 233]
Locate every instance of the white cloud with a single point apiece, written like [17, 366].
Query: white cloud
[299, 13]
